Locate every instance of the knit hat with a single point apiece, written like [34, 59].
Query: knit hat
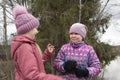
[78, 28]
[24, 21]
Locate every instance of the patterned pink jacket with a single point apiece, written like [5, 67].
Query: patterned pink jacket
[84, 55]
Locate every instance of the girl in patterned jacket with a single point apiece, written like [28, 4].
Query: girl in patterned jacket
[76, 60]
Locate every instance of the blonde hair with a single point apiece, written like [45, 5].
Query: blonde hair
[39, 49]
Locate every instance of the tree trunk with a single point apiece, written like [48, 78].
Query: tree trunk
[80, 10]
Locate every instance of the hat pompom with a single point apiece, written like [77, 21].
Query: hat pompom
[18, 10]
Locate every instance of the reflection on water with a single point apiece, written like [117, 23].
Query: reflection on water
[112, 71]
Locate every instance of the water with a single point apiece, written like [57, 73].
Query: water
[112, 71]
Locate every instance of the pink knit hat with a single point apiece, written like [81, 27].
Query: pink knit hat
[24, 21]
[79, 28]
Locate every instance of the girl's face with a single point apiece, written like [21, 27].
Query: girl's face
[74, 37]
[32, 33]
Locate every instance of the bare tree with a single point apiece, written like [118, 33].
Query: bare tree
[80, 7]
[6, 65]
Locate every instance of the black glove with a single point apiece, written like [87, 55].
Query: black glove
[81, 72]
[70, 66]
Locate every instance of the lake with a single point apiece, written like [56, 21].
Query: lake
[112, 71]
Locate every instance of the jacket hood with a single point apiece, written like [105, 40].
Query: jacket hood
[18, 40]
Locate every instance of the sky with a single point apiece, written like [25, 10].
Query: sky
[111, 36]
[10, 26]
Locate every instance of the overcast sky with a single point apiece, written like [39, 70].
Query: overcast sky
[113, 32]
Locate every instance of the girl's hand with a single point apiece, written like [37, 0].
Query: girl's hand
[50, 48]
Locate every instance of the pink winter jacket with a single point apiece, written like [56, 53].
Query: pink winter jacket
[28, 61]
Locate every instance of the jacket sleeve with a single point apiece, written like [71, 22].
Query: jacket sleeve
[59, 60]
[93, 63]
[27, 63]
[47, 56]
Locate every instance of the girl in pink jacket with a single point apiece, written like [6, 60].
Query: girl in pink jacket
[27, 57]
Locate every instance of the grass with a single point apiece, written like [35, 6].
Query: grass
[6, 70]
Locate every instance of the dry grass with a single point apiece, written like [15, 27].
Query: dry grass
[6, 70]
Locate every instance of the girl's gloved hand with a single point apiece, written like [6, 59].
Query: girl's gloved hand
[81, 72]
[70, 66]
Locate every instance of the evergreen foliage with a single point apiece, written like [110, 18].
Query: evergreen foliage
[56, 17]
